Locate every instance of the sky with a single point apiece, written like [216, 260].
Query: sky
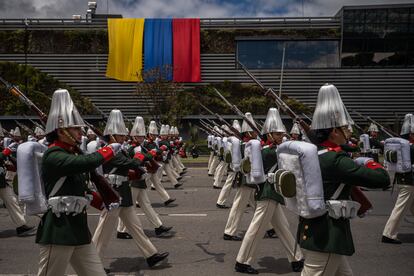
[180, 8]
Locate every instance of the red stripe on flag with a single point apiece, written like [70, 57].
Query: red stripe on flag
[186, 50]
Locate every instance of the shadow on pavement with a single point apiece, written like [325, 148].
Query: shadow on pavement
[7, 234]
[406, 237]
[133, 265]
[218, 257]
[272, 265]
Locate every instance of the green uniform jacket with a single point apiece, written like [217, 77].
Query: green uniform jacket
[140, 184]
[123, 163]
[266, 190]
[325, 234]
[67, 229]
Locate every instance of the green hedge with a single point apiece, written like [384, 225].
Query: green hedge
[246, 97]
[40, 88]
[96, 41]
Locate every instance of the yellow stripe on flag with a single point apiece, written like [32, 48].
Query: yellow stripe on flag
[125, 49]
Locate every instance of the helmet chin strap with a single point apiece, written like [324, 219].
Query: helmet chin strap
[70, 137]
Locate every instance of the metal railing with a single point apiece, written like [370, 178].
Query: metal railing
[208, 23]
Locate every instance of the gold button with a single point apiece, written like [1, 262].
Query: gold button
[306, 227]
[304, 237]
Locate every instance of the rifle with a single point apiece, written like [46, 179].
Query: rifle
[384, 129]
[35, 123]
[23, 126]
[272, 94]
[210, 129]
[14, 91]
[223, 129]
[221, 119]
[238, 112]
[108, 194]
[356, 192]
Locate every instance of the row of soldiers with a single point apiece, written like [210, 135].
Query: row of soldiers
[323, 241]
[63, 184]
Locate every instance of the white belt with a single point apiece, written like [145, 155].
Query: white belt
[342, 208]
[115, 179]
[68, 204]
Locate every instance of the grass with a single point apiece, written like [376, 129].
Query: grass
[200, 159]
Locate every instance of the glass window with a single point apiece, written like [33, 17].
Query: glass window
[298, 54]
[353, 45]
[312, 54]
[263, 54]
[383, 38]
[398, 15]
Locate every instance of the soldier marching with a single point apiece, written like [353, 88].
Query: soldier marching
[268, 170]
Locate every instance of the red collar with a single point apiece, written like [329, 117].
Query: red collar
[331, 146]
[246, 139]
[64, 146]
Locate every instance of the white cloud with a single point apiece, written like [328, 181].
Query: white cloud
[180, 8]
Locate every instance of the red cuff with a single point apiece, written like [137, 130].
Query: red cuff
[7, 151]
[97, 201]
[153, 152]
[107, 153]
[373, 165]
[163, 148]
[139, 156]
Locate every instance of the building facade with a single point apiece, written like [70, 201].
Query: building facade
[366, 51]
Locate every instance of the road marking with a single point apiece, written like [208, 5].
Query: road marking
[185, 215]
[168, 215]
[182, 190]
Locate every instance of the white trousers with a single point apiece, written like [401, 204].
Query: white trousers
[243, 196]
[180, 162]
[404, 203]
[210, 159]
[213, 165]
[268, 211]
[219, 174]
[141, 196]
[10, 200]
[325, 264]
[154, 181]
[176, 165]
[170, 173]
[84, 259]
[225, 191]
[107, 224]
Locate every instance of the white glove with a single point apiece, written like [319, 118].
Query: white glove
[13, 146]
[362, 161]
[116, 147]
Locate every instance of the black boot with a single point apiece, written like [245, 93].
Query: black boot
[171, 200]
[123, 236]
[178, 185]
[162, 229]
[271, 233]
[25, 231]
[222, 206]
[297, 266]
[389, 240]
[231, 238]
[157, 259]
[244, 268]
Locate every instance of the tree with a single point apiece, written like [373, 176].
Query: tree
[157, 89]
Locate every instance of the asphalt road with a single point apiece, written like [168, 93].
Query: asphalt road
[197, 247]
